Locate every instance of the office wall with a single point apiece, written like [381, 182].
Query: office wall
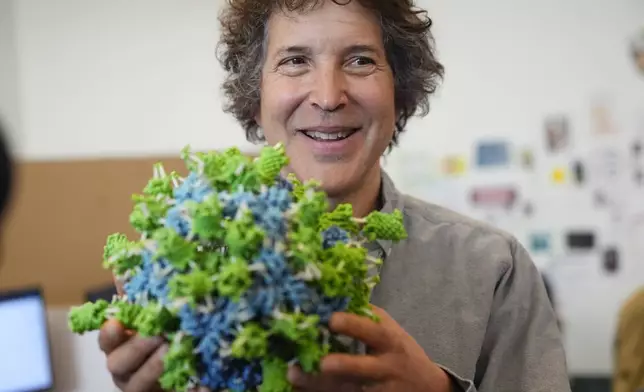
[509, 66]
[9, 89]
[119, 78]
[61, 216]
[98, 80]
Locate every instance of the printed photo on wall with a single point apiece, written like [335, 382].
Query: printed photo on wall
[492, 197]
[579, 172]
[580, 240]
[601, 117]
[611, 260]
[492, 154]
[540, 243]
[557, 129]
[527, 159]
[637, 51]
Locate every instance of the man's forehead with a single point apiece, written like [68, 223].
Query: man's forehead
[341, 29]
[326, 13]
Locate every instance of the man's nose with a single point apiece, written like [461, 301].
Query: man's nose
[329, 92]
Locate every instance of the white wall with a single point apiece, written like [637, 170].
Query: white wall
[9, 91]
[116, 78]
[119, 77]
[509, 64]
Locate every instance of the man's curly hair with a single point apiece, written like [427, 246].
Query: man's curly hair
[408, 43]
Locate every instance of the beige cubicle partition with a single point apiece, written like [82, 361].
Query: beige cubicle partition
[61, 215]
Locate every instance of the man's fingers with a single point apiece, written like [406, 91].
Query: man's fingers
[147, 377]
[111, 336]
[364, 367]
[132, 355]
[384, 316]
[371, 333]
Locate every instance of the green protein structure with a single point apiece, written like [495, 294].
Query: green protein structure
[240, 269]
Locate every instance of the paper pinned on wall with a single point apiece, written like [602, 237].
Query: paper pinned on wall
[636, 149]
[638, 177]
[609, 173]
[611, 260]
[528, 209]
[637, 50]
[454, 165]
[492, 154]
[540, 243]
[637, 163]
[579, 172]
[601, 117]
[557, 132]
[494, 197]
[558, 175]
[580, 240]
[527, 159]
[599, 198]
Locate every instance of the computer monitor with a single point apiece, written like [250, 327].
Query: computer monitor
[25, 353]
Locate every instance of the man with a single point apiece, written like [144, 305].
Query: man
[463, 306]
[629, 346]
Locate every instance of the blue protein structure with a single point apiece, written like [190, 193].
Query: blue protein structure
[239, 269]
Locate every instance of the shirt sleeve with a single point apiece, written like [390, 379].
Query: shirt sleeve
[522, 349]
[458, 384]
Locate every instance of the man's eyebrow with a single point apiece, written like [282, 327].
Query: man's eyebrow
[290, 50]
[362, 48]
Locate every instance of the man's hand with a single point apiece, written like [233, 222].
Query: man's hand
[395, 361]
[135, 363]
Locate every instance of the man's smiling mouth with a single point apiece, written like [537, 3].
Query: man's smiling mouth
[329, 134]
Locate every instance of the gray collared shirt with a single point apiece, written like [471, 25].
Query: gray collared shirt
[472, 298]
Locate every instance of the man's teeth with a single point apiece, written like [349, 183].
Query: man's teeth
[328, 135]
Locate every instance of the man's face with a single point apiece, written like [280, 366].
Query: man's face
[327, 93]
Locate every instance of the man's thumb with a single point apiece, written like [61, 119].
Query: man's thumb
[111, 335]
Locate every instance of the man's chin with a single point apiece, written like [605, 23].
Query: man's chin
[332, 180]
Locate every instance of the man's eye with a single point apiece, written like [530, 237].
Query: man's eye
[362, 61]
[294, 61]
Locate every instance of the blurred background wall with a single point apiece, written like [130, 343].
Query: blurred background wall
[94, 91]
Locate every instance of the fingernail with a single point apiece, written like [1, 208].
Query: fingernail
[112, 327]
[294, 375]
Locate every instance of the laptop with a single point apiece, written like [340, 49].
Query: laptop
[25, 351]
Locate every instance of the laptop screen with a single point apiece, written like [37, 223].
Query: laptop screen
[25, 360]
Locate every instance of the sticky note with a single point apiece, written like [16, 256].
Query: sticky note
[454, 165]
[558, 175]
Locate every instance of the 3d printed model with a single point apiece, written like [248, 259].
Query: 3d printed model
[240, 270]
